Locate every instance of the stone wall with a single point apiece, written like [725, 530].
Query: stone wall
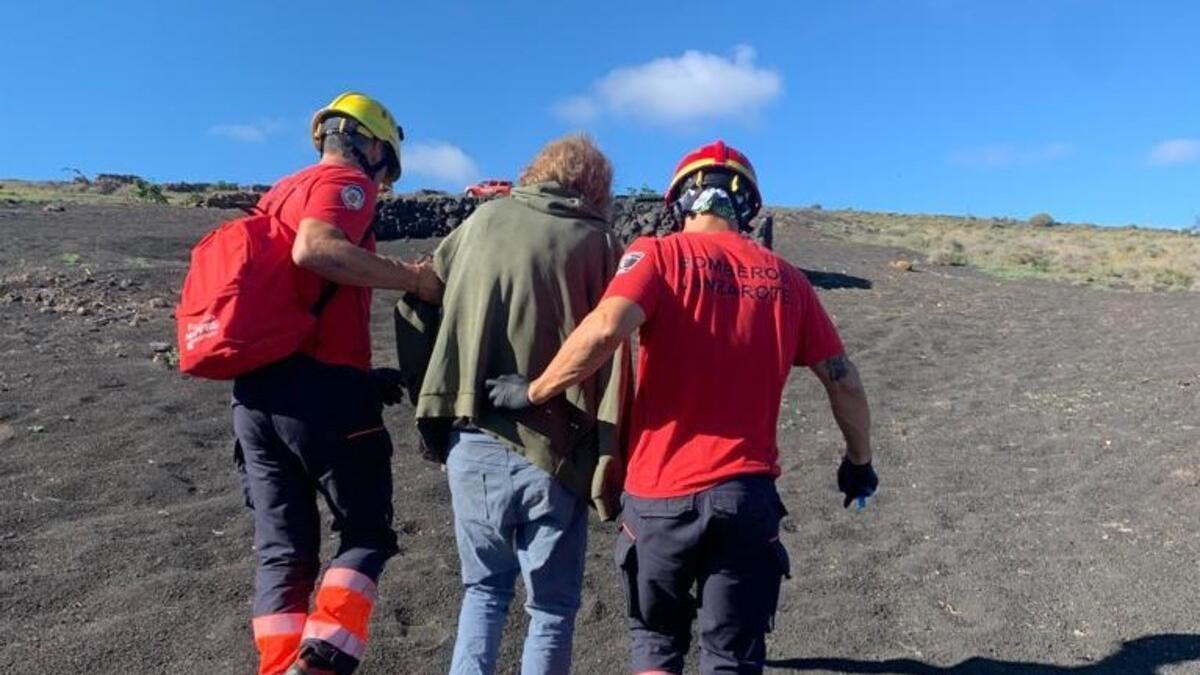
[230, 200]
[117, 178]
[417, 216]
[421, 215]
[187, 188]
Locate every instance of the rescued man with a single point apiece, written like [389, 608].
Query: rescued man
[520, 274]
[721, 323]
[311, 424]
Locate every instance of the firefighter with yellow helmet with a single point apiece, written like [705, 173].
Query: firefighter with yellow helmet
[358, 114]
[310, 425]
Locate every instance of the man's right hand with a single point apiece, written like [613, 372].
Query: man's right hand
[428, 286]
[856, 481]
[509, 392]
[389, 383]
[324, 250]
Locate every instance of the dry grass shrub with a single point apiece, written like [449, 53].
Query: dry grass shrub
[1114, 257]
[97, 192]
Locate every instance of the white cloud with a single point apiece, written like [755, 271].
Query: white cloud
[1006, 155]
[1053, 151]
[247, 133]
[441, 162]
[694, 86]
[577, 109]
[1174, 151]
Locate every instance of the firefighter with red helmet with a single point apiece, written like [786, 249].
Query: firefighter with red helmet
[721, 323]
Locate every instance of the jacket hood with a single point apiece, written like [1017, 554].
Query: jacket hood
[554, 199]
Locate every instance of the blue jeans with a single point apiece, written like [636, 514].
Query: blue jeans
[511, 517]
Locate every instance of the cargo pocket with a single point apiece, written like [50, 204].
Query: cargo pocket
[625, 556]
[239, 467]
[781, 569]
[361, 480]
[371, 443]
[365, 433]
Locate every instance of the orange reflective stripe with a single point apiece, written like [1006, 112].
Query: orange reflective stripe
[364, 432]
[344, 607]
[278, 624]
[344, 577]
[276, 653]
[345, 600]
[335, 635]
[277, 638]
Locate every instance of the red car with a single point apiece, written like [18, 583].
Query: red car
[489, 188]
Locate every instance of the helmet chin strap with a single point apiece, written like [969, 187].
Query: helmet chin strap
[371, 169]
[344, 125]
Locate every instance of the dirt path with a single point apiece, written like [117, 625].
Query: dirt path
[1037, 445]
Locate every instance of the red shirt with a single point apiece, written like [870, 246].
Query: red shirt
[345, 198]
[726, 319]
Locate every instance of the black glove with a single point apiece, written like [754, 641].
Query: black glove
[509, 391]
[389, 383]
[856, 480]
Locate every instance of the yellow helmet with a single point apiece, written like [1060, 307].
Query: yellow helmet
[371, 119]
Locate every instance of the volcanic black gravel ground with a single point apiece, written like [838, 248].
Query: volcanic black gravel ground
[1037, 445]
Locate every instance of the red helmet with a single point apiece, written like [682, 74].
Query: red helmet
[726, 160]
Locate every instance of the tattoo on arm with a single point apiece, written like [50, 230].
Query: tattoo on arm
[836, 368]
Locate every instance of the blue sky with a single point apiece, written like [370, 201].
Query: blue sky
[1086, 109]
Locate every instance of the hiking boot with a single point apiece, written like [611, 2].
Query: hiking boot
[301, 667]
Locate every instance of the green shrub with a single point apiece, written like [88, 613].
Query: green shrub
[77, 176]
[194, 199]
[1035, 259]
[953, 254]
[145, 191]
[1169, 279]
[1042, 220]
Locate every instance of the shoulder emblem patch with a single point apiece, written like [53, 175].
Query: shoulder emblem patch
[353, 197]
[629, 260]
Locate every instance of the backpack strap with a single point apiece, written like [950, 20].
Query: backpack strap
[330, 288]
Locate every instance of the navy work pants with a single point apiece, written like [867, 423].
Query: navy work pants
[306, 429]
[724, 543]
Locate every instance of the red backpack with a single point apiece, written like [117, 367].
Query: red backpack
[240, 308]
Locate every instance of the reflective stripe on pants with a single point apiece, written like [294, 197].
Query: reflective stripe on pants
[337, 637]
[277, 637]
[343, 611]
[307, 430]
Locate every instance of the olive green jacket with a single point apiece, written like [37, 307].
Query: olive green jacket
[520, 274]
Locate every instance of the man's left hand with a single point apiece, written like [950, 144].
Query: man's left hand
[510, 392]
[856, 481]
